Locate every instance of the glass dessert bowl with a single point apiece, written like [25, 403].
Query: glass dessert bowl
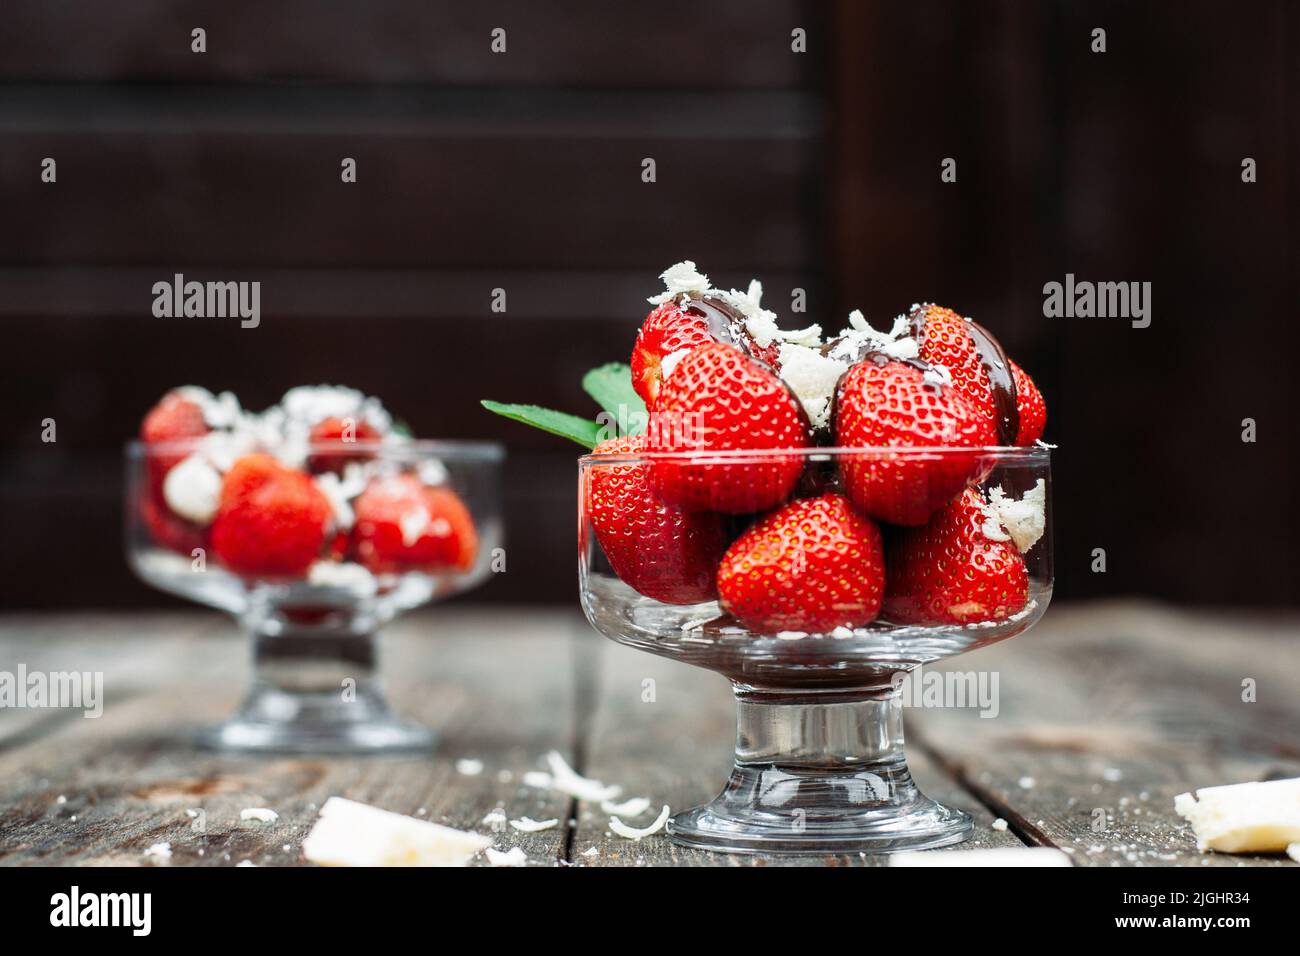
[312, 543]
[818, 580]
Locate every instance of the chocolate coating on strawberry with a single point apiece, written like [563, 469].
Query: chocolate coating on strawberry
[884, 403]
[718, 399]
[945, 338]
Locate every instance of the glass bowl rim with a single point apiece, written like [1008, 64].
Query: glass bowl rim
[1036, 454]
[451, 449]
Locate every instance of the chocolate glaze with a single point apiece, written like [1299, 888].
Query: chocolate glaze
[725, 321]
[727, 325]
[1001, 380]
[875, 357]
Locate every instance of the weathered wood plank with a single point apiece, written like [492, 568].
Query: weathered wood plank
[1110, 709]
[129, 777]
[1141, 703]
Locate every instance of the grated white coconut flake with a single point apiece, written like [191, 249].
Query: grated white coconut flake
[258, 814]
[565, 779]
[529, 825]
[341, 491]
[637, 833]
[812, 377]
[159, 851]
[192, 489]
[680, 278]
[896, 343]
[219, 411]
[1022, 522]
[343, 575]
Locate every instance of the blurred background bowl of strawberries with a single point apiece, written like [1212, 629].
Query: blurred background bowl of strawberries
[313, 522]
[874, 561]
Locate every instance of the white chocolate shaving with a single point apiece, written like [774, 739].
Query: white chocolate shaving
[636, 833]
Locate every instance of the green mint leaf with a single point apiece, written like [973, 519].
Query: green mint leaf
[611, 386]
[582, 430]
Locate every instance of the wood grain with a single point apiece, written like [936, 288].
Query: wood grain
[1105, 711]
[129, 777]
[1109, 710]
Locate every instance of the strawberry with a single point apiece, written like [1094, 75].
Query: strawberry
[402, 524]
[813, 565]
[980, 369]
[690, 321]
[667, 329]
[658, 550]
[717, 399]
[176, 418]
[272, 519]
[340, 431]
[951, 571]
[169, 531]
[887, 403]
[1033, 411]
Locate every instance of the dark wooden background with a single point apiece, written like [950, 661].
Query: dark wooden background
[522, 171]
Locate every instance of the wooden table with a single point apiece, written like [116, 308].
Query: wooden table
[1106, 712]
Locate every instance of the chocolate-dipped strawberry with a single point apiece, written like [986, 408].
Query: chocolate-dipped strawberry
[981, 371]
[691, 313]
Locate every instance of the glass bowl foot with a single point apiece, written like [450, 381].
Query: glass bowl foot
[275, 721]
[819, 773]
[315, 692]
[726, 827]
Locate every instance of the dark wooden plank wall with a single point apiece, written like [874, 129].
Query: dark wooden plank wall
[522, 172]
[1122, 166]
[476, 171]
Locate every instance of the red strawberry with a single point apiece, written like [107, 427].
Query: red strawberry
[884, 403]
[950, 572]
[272, 520]
[812, 565]
[343, 432]
[686, 324]
[169, 531]
[174, 419]
[980, 369]
[658, 550]
[665, 330]
[403, 525]
[719, 400]
[1033, 411]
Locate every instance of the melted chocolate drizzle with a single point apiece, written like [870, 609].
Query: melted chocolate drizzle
[727, 325]
[1001, 380]
[725, 321]
[872, 354]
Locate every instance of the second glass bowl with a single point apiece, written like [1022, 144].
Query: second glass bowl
[313, 631]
